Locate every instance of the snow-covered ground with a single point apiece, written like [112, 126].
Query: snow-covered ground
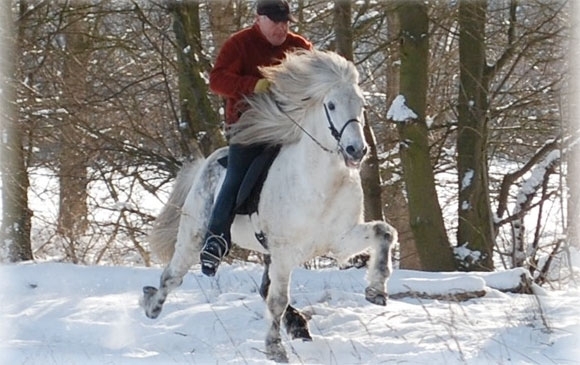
[56, 313]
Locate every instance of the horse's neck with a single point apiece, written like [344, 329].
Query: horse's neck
[320, 166]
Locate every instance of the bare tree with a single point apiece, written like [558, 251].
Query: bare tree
[396, 207]
[109, 95]
[16, 215]
[475, 230]
[199, 121]
[510, 81]
[371, 179]
[73, 161]
[225, 18]
[424, 210]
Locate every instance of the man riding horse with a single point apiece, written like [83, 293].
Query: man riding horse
[234, 76]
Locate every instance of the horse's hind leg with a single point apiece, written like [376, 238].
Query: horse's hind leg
[185, 253]
[295, 323]
[153, 298]
[277, 302]
[193, 219]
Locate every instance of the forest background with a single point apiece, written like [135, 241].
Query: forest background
[114, 94]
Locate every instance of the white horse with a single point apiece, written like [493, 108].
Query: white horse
[311, 201]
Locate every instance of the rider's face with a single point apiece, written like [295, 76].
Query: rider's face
[275, 32]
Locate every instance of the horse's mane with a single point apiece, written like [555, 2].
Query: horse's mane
[299, 82]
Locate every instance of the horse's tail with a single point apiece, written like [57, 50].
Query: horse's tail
[163, 236]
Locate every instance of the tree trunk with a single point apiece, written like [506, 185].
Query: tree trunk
[223, 20]
[73, 156]
[370, 176]
[573, 154]
[475, 227]
[200, 124]
[396, 206]
[343, 28]
[16, 216]
[573, 206]
[424, 209]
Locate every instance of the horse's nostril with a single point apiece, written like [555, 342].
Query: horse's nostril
[356, 153]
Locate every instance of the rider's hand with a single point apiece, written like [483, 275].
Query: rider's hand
[261, 86]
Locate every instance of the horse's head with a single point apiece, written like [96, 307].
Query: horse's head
[343, 109]
[314, 95]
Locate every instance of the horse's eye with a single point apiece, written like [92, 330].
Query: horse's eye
[331, 106]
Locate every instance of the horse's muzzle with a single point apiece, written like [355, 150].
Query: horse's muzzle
[353, 156]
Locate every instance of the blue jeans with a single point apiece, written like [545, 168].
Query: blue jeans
[239, 160]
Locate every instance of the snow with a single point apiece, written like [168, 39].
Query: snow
[465, 205]
[465, 254]
[531, 184]
[467, 179]
[57, 313]
[399, 111]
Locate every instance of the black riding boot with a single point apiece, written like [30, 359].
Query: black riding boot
[218, 241]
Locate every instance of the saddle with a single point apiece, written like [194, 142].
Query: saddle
[249, 192]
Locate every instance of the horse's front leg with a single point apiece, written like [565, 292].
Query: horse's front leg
[380, 266]
[380, 237]
[277, 301]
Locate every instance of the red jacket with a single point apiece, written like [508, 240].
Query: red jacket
[235, 72]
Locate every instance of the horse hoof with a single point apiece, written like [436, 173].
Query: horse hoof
[301, 333]
[375, 296]
[275, 352]
[296, 324]
[278, 357]
[152, 308]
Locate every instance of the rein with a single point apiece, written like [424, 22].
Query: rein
[303, 130]
[333, 131]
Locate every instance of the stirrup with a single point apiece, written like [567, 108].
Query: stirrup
[214, 249]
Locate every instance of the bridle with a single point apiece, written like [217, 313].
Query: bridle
[333, 131]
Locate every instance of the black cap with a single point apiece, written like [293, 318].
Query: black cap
[276, 10]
